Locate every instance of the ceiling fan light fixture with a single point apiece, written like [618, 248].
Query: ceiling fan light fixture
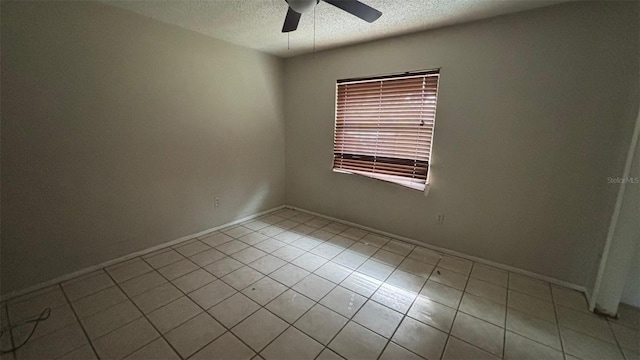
[302, 6]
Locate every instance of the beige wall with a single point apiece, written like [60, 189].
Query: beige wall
[535, 112]
[118, 131]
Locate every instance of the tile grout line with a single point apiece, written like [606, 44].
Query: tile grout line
[506, 312]
[455, 316]
[91, 293]
[505, 330]
[204, 311]
[75, 314]
[616, 337]
[457, 311]
[316, 302]
[336, 285]
[556, 323]
[555, 312]
[616, 342]
[107, 308]
[143, 316]
[68, 303]
[349, 319]
[370, 298]
[405, 315]
[237, 291]
[217, 278]
[264, 306]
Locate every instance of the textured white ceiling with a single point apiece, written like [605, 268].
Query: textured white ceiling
[257, 24]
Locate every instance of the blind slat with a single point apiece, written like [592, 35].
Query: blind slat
[385, 145]
[409, 173]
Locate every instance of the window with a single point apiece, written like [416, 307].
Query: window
[384, 127]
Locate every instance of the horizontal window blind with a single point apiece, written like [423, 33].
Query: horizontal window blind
[384, 127]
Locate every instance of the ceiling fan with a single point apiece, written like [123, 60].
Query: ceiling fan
[353, 7]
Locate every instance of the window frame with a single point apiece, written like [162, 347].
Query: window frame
[409, 182]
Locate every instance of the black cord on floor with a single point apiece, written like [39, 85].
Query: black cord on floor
[44, 315]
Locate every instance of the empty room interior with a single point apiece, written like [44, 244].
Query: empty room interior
[320, 179]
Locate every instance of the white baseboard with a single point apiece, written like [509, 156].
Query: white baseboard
[108, 263]
[530, 274]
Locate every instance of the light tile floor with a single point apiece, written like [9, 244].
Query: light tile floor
[293, 286]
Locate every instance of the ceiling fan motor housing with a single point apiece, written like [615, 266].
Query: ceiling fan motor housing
[302, 6]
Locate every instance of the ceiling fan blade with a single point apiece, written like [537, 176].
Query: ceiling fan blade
[355, 7]
[291, 21]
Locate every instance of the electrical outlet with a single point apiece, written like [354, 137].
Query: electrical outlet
[440, 218]
[216, 201]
